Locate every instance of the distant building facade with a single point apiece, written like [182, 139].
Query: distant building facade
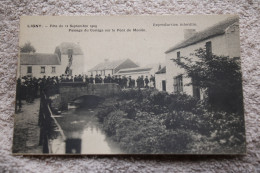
[135, 72]
[160, 79]
[220, 39]
[111, 67]
[44, 64]
[39, 64]
[71, 58]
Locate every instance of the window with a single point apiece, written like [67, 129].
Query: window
[208, 49]
[53, 69]
[178, 84]
[42, 69]
[29, 69]
[196, 89]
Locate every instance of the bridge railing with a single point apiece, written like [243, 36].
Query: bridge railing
[47, 123]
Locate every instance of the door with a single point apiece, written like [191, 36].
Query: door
[163, 85]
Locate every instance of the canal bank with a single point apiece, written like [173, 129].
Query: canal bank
[26, 129]
[83, 131]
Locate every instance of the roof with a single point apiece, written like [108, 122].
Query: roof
[69, 45]
[108, 65]
[218, 29]
[134, 70]
[163, 70]
[39, 59]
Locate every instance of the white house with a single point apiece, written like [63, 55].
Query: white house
[112, 67]
[220, 39]
[160, 79]
[39, 64]
[45, 64]
[135, 72]
[69, 50]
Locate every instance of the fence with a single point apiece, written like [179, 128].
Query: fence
[47, 123]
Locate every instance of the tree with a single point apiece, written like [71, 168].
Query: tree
[27, 48]
[219, 76]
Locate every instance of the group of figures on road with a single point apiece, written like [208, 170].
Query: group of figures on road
[29, 88]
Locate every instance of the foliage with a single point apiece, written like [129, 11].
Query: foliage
[27, 48]
[170, 123]
[220, 76]
[182, 102]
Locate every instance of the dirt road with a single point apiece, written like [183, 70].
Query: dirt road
[26, 129]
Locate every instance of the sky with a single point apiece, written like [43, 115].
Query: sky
[145, 47]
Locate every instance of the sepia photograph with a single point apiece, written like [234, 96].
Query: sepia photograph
[113, 85]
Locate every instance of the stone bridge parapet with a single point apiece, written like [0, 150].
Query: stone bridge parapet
[72, 90]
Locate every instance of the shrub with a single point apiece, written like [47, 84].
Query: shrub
[176, 141]
[181, 102]
[158, 97]
[129, 94]
[111, 122]
[104, 112]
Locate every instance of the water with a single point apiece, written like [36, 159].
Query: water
[84, 134]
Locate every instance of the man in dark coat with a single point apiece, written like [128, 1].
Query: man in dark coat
[91, 79]
[146, 80]
[87, 79]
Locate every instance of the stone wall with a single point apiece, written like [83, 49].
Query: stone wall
[71, 91]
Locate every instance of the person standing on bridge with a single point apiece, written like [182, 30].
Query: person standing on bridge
[87, 79]
[91, 79]
[124, 82]
[105, 79]
[109, 79]
[146, 80]
[100, 80]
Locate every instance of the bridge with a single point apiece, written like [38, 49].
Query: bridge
[72, 90]
[48, 120]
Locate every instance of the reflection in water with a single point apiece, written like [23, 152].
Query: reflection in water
[84, 134]
[94, 141]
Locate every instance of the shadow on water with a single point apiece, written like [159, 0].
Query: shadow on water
[84, 134]
[87, 101]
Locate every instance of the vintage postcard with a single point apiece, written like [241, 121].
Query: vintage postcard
[129, 85]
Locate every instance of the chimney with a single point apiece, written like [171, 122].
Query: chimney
[188, 33]
[160, 67]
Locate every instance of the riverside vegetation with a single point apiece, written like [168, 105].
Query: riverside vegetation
[152, 122]
[148, 121]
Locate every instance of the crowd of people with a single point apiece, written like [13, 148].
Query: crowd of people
[29, 88]
[123, 82]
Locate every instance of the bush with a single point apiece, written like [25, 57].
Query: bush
[158, 97]
[104, 113]
[130, 94]
[176, 141]
[182, 102]
[111, 122]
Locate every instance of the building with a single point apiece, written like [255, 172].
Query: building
[220, 39]
[135, 72]
[71, 58]
[112, 67]
[45, 64]
[160, 79]
[39, 64]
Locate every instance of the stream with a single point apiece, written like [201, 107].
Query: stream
[84, 134]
